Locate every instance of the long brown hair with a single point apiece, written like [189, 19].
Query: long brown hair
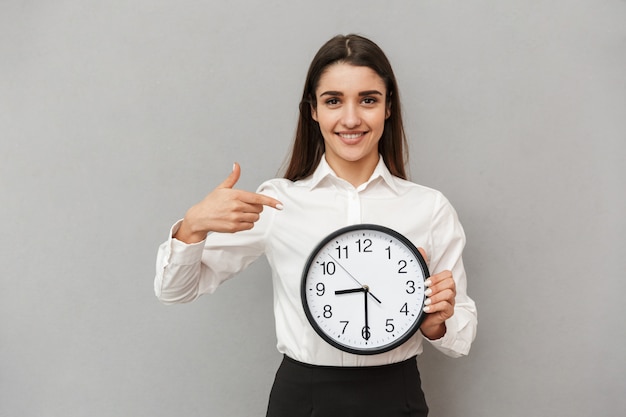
[308, 145]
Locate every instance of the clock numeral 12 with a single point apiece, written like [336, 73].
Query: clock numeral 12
[365, 246]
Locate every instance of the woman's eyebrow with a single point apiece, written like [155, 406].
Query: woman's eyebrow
[362, 93]
[370, 93]
[331, 93]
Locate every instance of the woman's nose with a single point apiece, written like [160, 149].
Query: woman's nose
[350, 117]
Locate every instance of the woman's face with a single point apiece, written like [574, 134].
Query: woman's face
[351, 111]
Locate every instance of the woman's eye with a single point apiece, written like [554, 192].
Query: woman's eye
[369, 100]
[332, 101]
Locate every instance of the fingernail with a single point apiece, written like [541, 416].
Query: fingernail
[428, 282]
[427, 309]
[427, 302]
[428, 292]
[279, 206]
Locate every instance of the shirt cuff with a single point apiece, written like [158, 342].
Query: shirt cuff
[182, 253]
[450, 344]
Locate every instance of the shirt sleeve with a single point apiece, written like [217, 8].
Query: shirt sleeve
[186, 271]
[448, 241]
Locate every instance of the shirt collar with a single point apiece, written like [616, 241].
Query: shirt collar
[324, 172]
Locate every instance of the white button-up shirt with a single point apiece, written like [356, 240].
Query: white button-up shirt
[313, 208]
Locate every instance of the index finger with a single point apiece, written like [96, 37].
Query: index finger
[261, 199]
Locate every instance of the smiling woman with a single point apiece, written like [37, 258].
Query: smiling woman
[351, 111]
[346, 168]
[358, 54]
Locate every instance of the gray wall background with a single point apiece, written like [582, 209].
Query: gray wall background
[116, 116]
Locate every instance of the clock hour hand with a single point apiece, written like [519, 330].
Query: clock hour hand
[356, 280]
[352, 290]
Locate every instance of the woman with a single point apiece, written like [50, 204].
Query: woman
[347, 167]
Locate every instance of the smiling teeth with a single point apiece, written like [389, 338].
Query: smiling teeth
[350, 136]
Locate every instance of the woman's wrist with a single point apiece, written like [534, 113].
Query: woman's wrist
[187, 235]
[434, 332]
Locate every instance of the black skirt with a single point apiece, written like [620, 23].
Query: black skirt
[326, 391]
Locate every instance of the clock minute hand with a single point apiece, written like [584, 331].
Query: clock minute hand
[366, 329]
[355, 280]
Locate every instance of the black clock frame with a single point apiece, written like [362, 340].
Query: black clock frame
[309, 262]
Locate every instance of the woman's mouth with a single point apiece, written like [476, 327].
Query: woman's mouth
[351, 137]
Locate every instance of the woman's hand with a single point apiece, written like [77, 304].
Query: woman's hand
[225, 210]
[439, 307]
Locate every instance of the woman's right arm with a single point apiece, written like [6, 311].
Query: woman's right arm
[186, 261]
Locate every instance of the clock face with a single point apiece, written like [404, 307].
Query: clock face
[363, 289]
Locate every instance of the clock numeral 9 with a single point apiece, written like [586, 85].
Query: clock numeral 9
[321, 288]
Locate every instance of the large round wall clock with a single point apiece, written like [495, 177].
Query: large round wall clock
[363, 289]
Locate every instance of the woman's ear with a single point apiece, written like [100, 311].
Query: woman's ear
[314, 112]
[388, 111]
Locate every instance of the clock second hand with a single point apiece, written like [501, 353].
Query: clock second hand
[355, 280]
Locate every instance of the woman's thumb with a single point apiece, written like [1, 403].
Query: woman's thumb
[232, 179]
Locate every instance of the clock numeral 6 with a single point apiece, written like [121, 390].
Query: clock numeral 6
[365, 333]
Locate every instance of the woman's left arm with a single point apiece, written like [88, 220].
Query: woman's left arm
[451, 320]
